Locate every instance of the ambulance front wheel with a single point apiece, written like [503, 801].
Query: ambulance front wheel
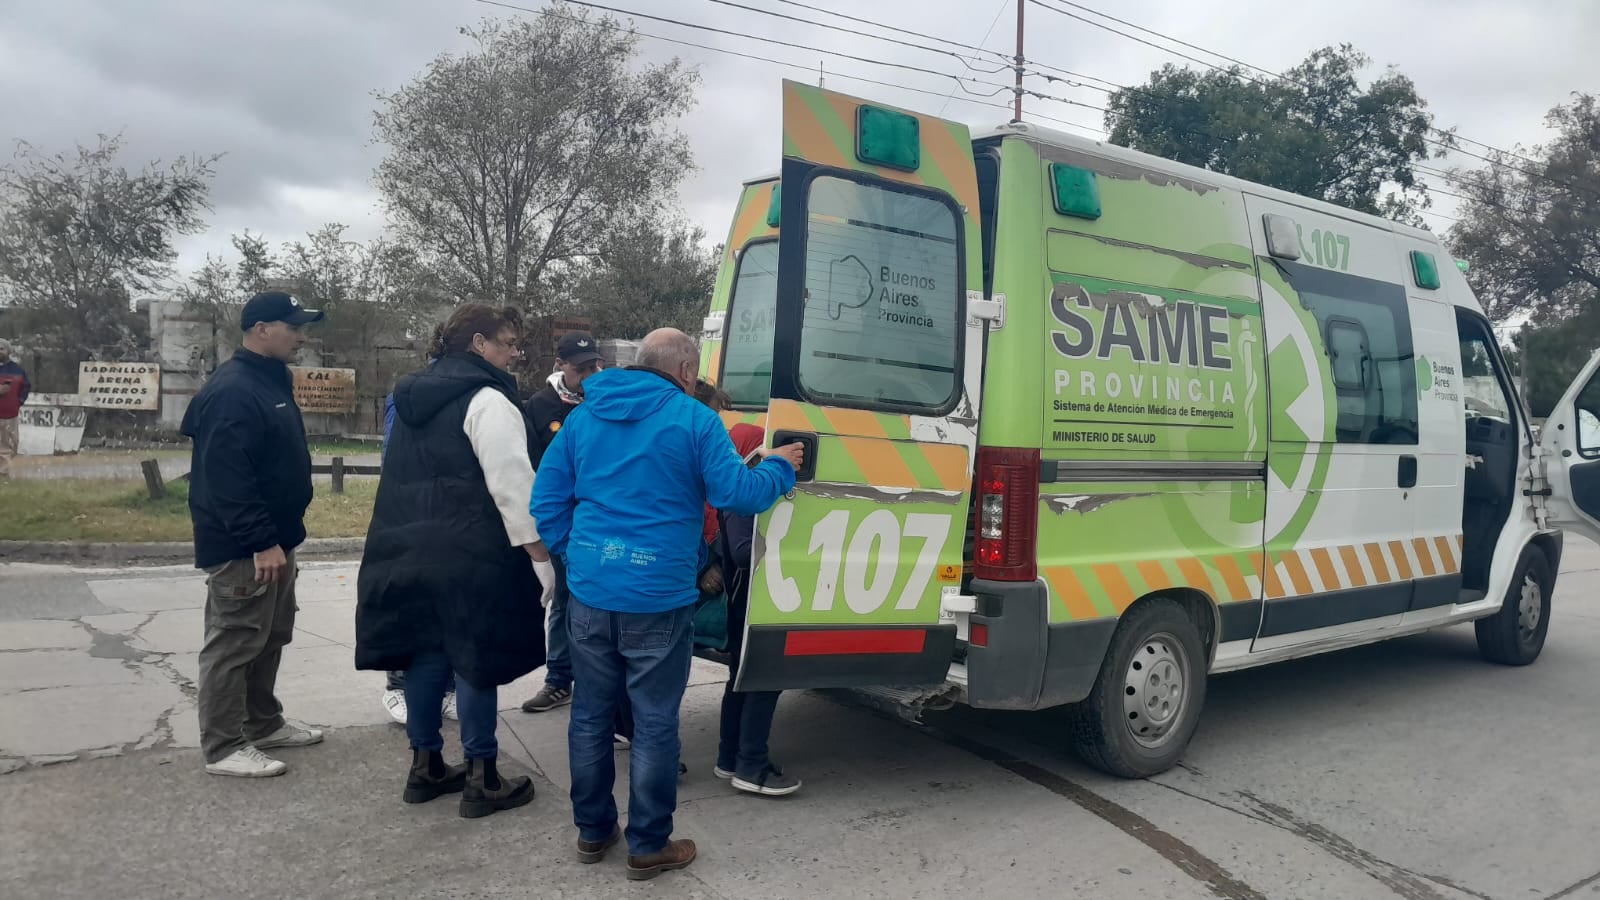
[1514, 636]
[1146, 701]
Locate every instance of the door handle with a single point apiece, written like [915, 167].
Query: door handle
[1408, 471]
[808, 443]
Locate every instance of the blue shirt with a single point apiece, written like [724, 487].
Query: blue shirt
[622, 489]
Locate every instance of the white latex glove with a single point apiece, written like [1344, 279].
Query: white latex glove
[547, 581]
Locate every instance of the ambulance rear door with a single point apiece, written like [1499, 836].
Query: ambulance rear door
[876, 367]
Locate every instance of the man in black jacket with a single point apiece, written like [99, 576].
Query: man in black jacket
[578, 357]
[249, 486]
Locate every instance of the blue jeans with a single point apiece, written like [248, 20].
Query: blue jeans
[477, 709]
[558, 655]
[645, 658]
[746, 715]
[397, 682]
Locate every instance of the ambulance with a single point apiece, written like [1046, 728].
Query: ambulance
[1084, 426]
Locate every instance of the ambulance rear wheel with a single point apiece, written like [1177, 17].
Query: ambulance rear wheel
[1514, 636]
[1146, 701]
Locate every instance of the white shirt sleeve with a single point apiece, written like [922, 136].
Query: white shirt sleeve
[500, 440]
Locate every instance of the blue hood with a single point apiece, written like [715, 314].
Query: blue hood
[621, 492]
[629, 395]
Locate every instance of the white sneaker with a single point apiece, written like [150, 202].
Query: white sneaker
[395, 703]
[248, 762]
[449, 708]
[618, 742]
[292, 734]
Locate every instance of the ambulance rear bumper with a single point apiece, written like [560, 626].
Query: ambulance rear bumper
[1026, 662]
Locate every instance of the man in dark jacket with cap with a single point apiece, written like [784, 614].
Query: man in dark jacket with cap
[249, 486]
[577, 357]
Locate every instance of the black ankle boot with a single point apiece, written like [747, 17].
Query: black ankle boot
[431, 778]
[486, 792]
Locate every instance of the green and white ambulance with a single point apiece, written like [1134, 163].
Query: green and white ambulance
[1084, 425]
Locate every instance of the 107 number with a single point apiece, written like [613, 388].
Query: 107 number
[1326, 248]
[867, 558]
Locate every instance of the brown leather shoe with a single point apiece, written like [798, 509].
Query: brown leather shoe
[676, 855]
[594, 851]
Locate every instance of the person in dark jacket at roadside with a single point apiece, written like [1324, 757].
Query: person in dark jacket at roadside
[746, 715]
[249, 486]
[621, 496]
[393, 698]
[14, 389]
[577, 357]
[453, 571]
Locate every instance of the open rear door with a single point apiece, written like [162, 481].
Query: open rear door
[876, 369]
[1570, 445]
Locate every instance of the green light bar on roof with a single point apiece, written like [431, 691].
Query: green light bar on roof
[1075, 190]
[1424, 270]
[885, 137]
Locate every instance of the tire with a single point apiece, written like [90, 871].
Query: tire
[1513, 636]
[1113, 730]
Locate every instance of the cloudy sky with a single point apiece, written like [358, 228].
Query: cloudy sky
[284, 88]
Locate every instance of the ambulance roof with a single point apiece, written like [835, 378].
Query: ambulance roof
[1456, 290]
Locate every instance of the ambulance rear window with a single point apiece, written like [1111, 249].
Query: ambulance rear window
[747, 342]
[883, 303]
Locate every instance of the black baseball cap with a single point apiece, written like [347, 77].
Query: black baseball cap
[276, 306]
[577, 347]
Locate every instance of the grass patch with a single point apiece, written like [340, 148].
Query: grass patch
[120, 511]
[345, 448]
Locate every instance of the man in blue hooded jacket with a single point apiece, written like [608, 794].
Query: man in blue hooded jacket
[621, 496]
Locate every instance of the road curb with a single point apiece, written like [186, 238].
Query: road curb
[151, 553]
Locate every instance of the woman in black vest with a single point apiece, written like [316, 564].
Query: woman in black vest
[452, 573]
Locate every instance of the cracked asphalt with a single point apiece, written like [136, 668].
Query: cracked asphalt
[1409, 769]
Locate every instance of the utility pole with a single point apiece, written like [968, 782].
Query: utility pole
[1016, 115]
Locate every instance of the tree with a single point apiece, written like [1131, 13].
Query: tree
[1530, 233]
[366, 289]
[1551, 355]
[1315, 131]
[221, 288]
[80, 236]
[1530, 226]
[648, 276]
[509, 163]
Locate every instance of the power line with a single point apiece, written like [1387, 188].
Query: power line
[851, 31]
[1167, 37]
[1458, 181]
[999, 8]
[1445, 144]
[1132, 37]
[960, 80]
[976, 48]
[785, 63]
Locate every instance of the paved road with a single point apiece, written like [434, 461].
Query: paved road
[1409, 770]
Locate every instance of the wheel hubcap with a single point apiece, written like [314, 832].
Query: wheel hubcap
[1155, 690]
[1530, 607]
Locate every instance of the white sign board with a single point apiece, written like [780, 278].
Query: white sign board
[120, 385]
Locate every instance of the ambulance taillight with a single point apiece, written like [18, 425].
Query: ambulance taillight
[1007, 514]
